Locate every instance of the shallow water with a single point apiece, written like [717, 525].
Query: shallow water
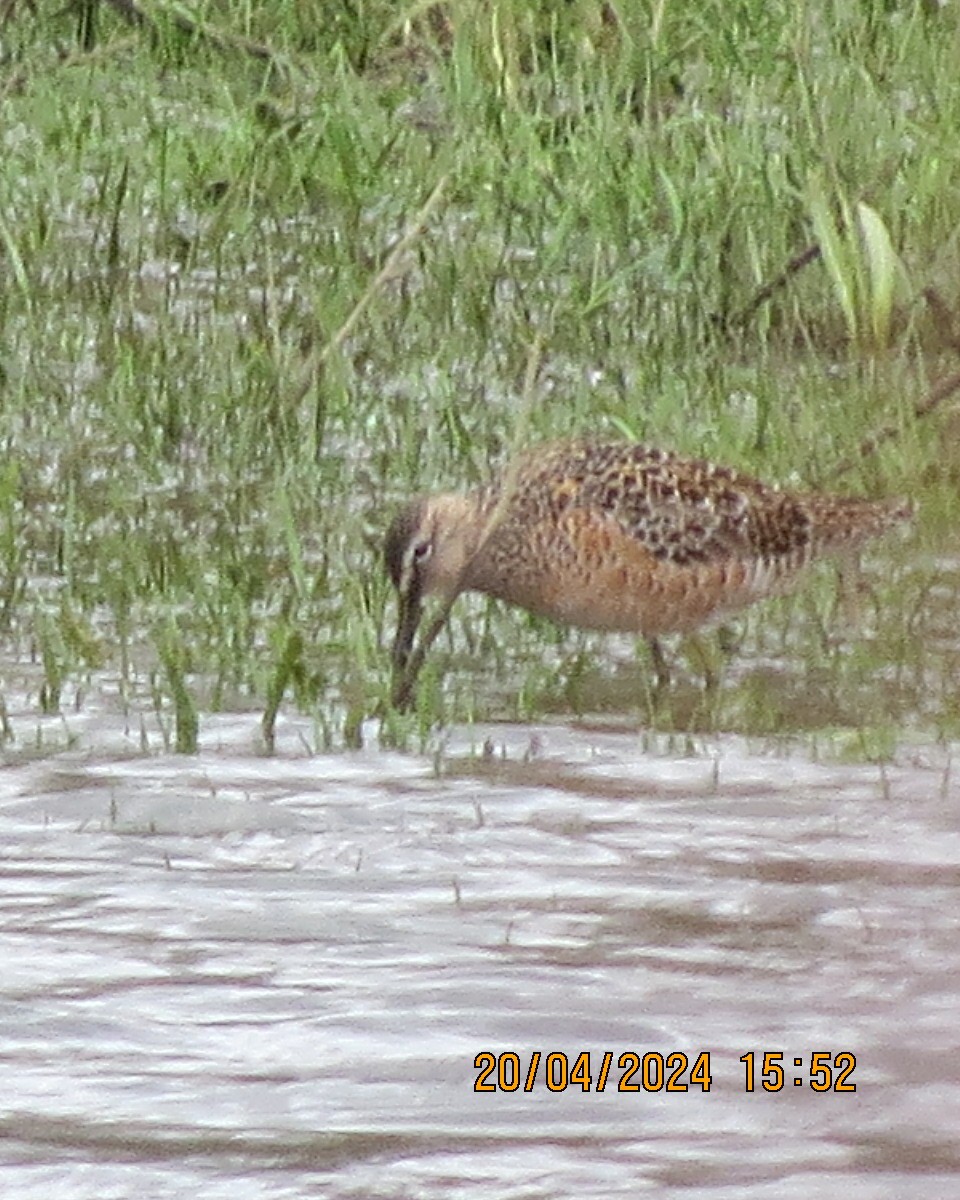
[235, 975]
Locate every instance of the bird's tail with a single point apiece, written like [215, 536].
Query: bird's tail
[841, 523]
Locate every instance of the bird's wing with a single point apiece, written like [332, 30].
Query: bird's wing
[688, 511]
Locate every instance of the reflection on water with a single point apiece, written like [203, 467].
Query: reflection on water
[253, 977]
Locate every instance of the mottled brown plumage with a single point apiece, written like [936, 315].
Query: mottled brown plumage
[615, 536]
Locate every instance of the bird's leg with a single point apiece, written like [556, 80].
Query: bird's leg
[707, 656]
[661, 668]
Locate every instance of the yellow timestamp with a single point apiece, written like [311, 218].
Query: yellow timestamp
[655, 1071]
[823, 1071]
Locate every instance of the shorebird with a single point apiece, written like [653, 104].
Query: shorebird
[611, 535]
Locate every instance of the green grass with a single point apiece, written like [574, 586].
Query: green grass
[205, 435]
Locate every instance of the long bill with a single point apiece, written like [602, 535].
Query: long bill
[410, 610]
[407, 661]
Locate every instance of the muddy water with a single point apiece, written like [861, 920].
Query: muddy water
[249, 977]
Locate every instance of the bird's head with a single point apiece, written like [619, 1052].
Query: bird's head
[427, 552]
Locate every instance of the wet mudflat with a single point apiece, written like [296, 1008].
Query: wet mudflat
[261, 977]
